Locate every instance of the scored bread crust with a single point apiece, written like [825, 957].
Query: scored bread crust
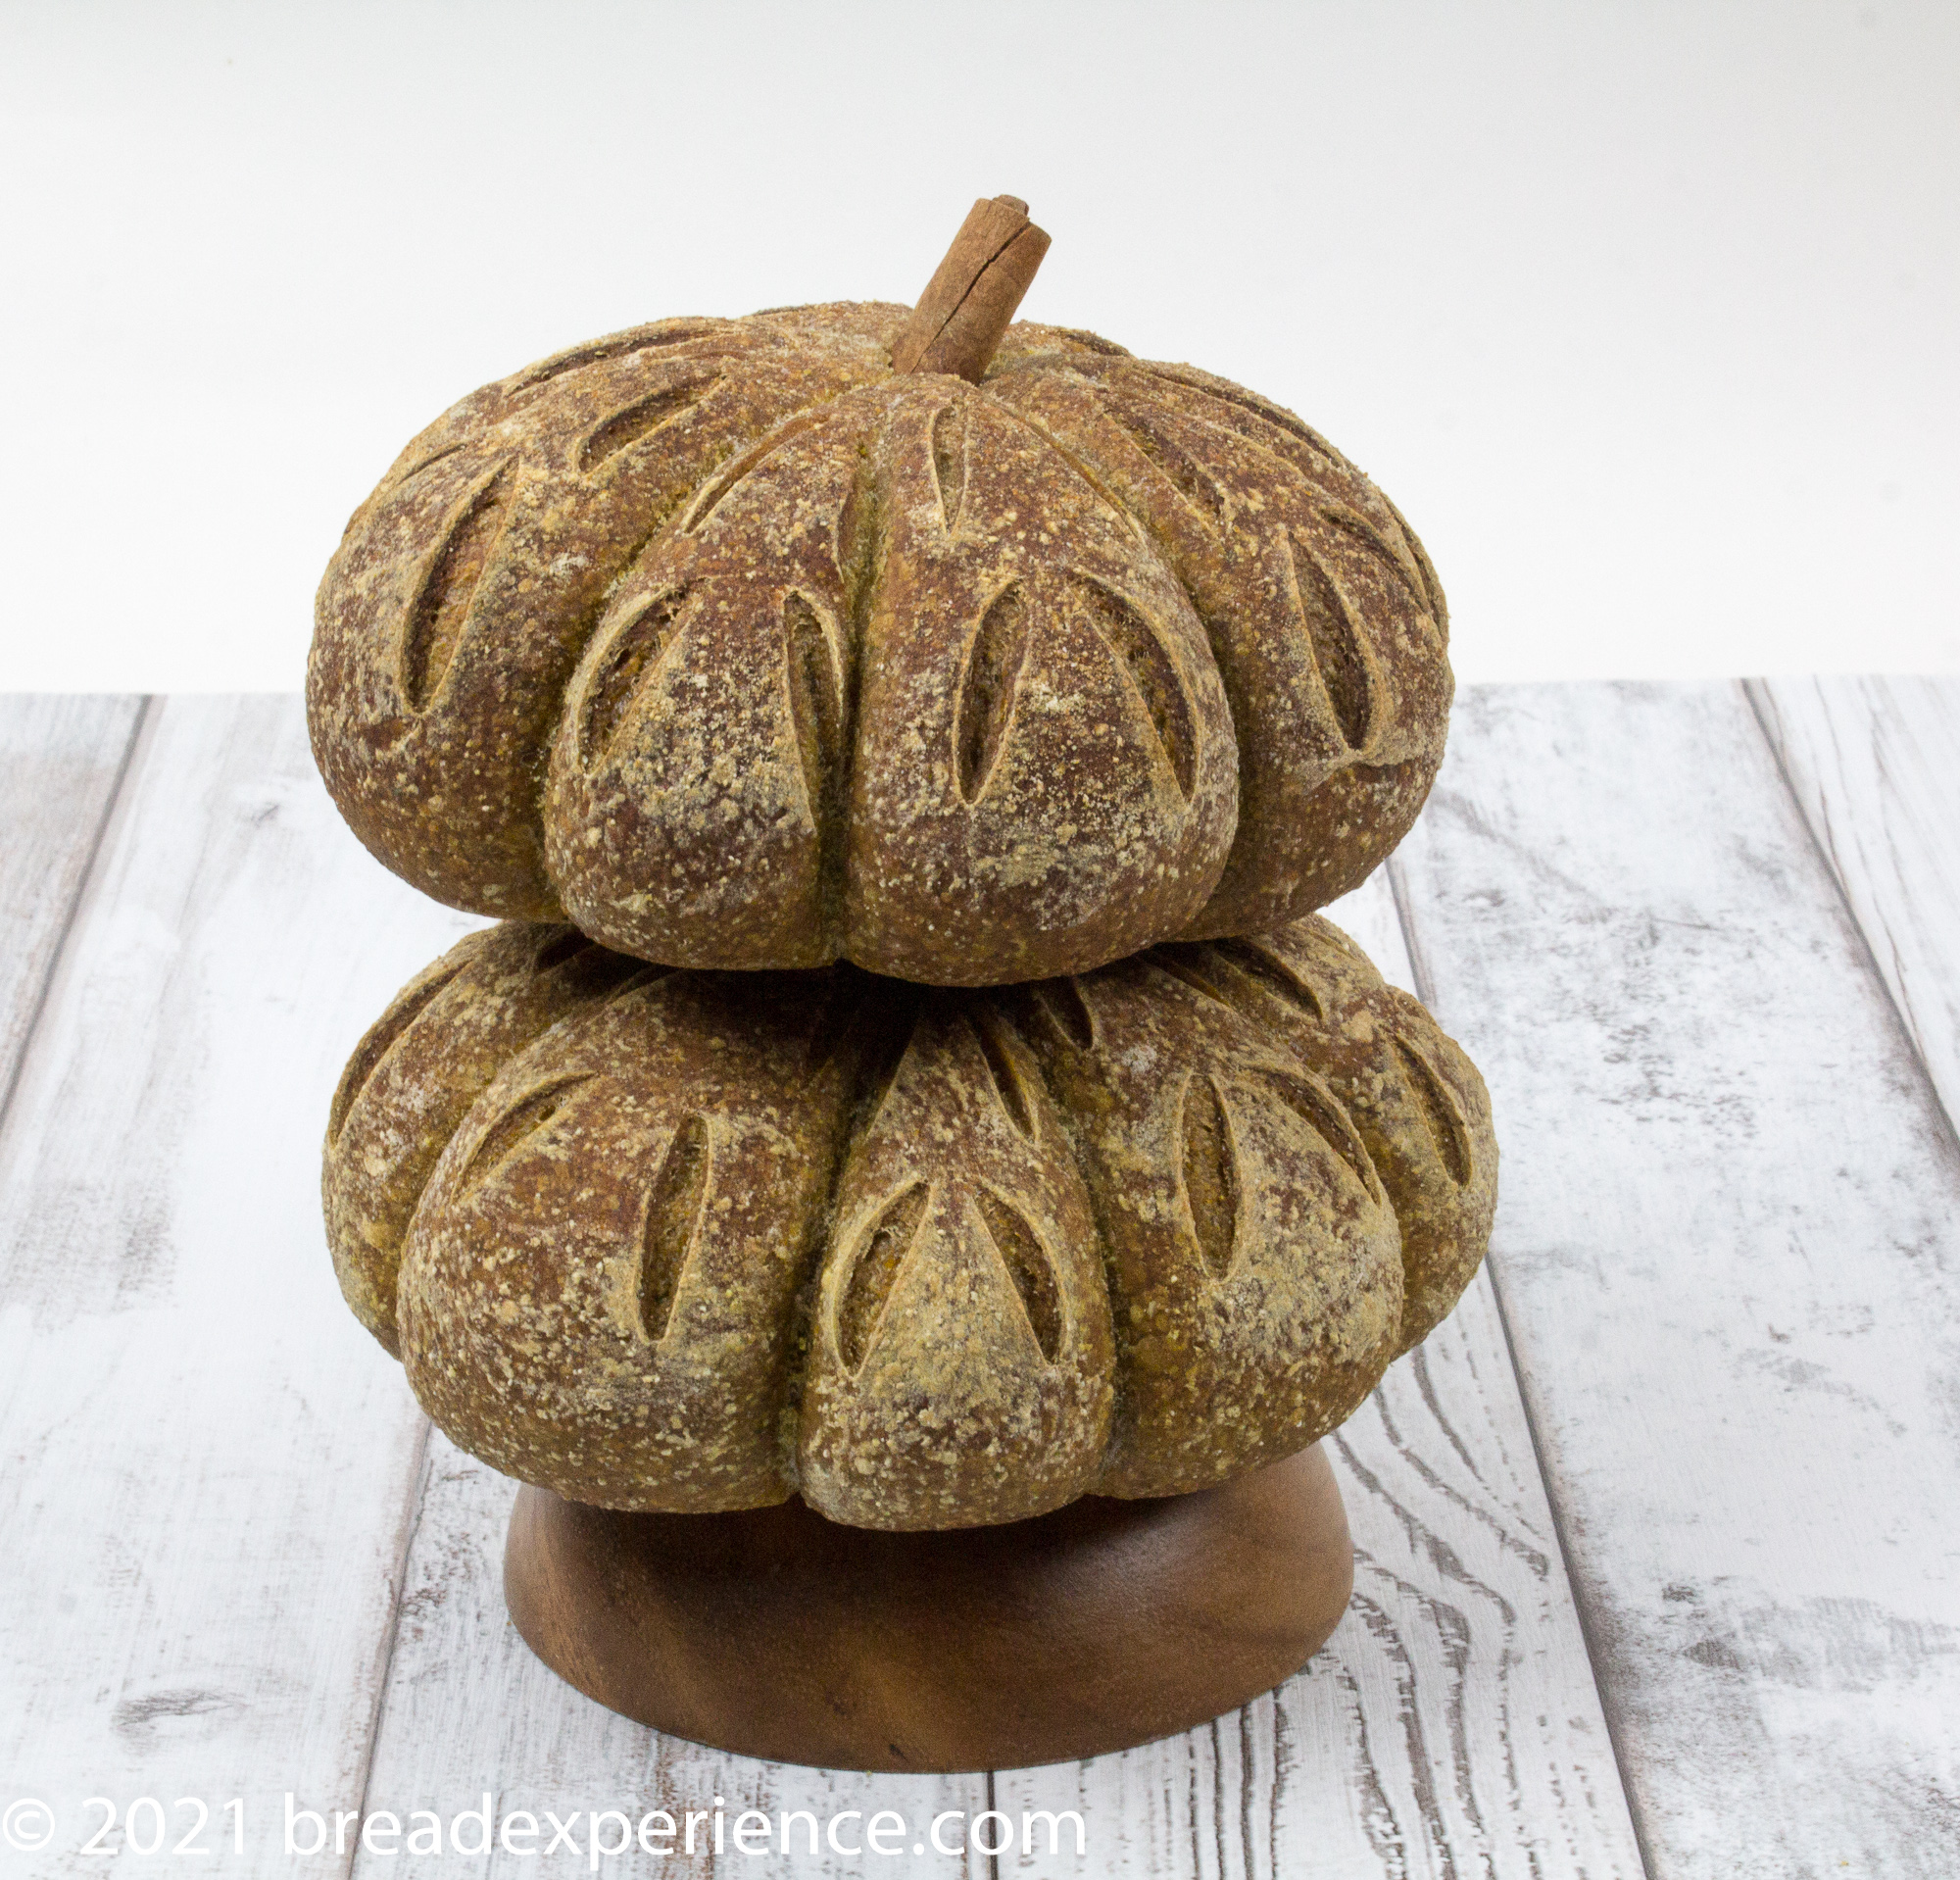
[740, 651]
[671, 1240]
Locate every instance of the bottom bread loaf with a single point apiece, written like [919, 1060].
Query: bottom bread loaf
[669, 1240]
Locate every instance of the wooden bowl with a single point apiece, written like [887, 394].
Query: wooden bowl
[776, 1633]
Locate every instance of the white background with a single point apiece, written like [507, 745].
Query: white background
[1647, 316]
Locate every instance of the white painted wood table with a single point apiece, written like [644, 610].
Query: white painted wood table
[1658, 1538]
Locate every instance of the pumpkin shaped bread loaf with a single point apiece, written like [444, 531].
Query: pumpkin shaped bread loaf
[743, 649]
[668, 1240]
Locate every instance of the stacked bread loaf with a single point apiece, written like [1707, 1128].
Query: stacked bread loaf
[905, 749]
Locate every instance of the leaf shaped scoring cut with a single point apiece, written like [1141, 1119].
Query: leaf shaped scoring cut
[1061, 1003]
[1324, 1115]
[711, 494]
[853, 542]
[428, 463]
[892, 1022]
[1344, 672]
[1272, 975]
[555, 953]
[1117, 510]
[1140, 647]
[649, 976]
[949, 461]
[516, 1126]
[648, 413]
[1353, 522]
[1210, 1173]
[670, 332]
[816, 702]
[628, 662]
[1192, 482]
[674, 1206]
[442, 601]
[387, 1032]
[873, 1272]
[1276, 415]
[1028, 1267]
[987, 688]
[1187, 963]
[1009, 1085]
[1439, 1112]
[1432, 588]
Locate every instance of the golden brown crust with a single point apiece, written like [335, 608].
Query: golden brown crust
[601, 1284]
[1408, 1088]
[745, 653]
[931, 1259]
[396, 1107]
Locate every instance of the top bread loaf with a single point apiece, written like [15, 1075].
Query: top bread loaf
[741, 649]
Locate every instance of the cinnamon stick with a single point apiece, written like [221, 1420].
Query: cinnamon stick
[973, 293]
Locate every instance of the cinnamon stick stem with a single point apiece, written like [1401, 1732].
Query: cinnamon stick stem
[973, 293]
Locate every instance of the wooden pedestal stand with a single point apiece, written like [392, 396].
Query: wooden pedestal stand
[775, 1633]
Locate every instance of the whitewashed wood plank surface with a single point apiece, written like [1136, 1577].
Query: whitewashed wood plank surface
[1874, 764]
[1728, 1259]
[194, 1089]
[59, 762]
[1451, 1725]
[469, 1710]
[207, 1473]
[466, 1705]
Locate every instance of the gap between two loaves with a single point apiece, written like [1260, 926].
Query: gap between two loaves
[974, 291]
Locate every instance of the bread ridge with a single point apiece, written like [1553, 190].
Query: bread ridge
[1224, 701]
[1116, 1380]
